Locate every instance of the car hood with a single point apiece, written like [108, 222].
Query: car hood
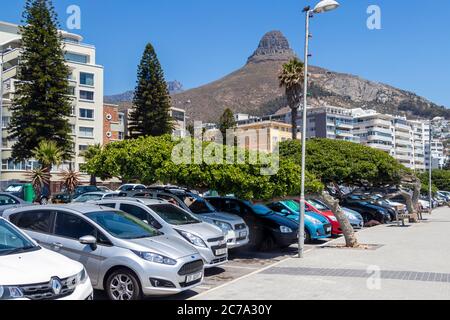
[223, 216]
[317, 216]
[203, 230]
[36, 267]
[168, 246]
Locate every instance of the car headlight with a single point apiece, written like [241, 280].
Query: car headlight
[314, 221]
[77, 279]
[196, 241]
[9, 293]
[352, 217]
[223, 225]
[284, 229]
[156, 258]
[333, 218]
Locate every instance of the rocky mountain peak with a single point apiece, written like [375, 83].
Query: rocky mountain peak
[273, 46]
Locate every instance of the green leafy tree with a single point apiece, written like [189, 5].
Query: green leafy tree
[440, 179]
[42, 104]
[226, 122]
[150, 115]
[89, 154]
[292, 80]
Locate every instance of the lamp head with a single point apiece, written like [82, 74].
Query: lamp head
[325, 6]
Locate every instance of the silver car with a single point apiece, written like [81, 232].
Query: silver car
[9, 201]
[122, 255]
[95, 196]
[209, 240]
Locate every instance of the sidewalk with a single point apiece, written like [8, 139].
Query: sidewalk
[412, 263]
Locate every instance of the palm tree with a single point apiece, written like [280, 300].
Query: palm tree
[71, 180]
[291, 79]
[90, 154]
[48, 154]
[39, 178]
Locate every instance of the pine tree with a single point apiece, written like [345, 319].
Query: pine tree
[151, 111]
[226, 121]
[42, 103]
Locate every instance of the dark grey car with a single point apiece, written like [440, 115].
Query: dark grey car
[8, 201]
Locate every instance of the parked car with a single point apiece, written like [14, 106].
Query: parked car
[445, 195]
[267, 229]
[95, 196]
[131, 187]
[237, 232]
[320, 208]
[18, 190]
[354, 217]
[9, 201]
[122, 255]
[317, 226]
[207, 239]
[65, 198]
[368, 210]
[30, 272]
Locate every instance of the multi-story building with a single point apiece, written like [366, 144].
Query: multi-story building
[374, 129]
[179, 118]
[113, 124]
[86, 89]
[262, 136]
[332, 123]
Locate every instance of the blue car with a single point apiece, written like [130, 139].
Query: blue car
[317, 227]
[354, 217]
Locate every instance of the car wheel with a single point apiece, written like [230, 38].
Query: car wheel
[43, 201]
[307, 236]
[268, 243]
[122, 284]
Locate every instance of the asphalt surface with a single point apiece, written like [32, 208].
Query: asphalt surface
[241, 263]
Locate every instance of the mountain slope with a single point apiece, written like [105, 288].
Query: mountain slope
[254, 89]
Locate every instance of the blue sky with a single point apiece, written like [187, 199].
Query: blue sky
[199, 41]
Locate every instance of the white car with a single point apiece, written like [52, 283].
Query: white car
[30, 272]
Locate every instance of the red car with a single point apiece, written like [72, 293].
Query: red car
[318, 207]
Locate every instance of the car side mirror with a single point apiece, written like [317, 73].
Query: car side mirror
[90, 241]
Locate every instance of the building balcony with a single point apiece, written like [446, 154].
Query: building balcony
[403, 157]
[380, 146]
[342, 125]
[11, 55]
[402, 127]
[8, 86]
[403, 135]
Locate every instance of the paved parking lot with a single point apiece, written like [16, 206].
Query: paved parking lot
[241, 263]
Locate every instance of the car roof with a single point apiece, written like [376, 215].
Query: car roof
[145, 201]
[100, 193]
[81, 208]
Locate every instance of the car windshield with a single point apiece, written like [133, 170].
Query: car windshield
[88, 197]
[294, 206]
[319, 206]
[12, 241]
[14, 189]
[261, 210]
[197, 204]
[173, 215]
[122, 225]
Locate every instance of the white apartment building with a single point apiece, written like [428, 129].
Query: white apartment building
[86, 88]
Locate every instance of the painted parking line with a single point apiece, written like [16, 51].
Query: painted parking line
[244, 277]
[241, 267]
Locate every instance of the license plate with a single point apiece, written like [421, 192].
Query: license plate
[194, 277]
[242, 234]
[328, 229]
[220, 252]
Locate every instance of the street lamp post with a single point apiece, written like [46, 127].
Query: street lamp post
[322, 6]
[430, 169]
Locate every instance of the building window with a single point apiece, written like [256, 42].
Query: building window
[121, 119]
[83, 147]
[86, 95]
[75, 57]
[5, 122]
[86, 132]
[121, 136]
[86, 79]
[71, 91]
[86, 113]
